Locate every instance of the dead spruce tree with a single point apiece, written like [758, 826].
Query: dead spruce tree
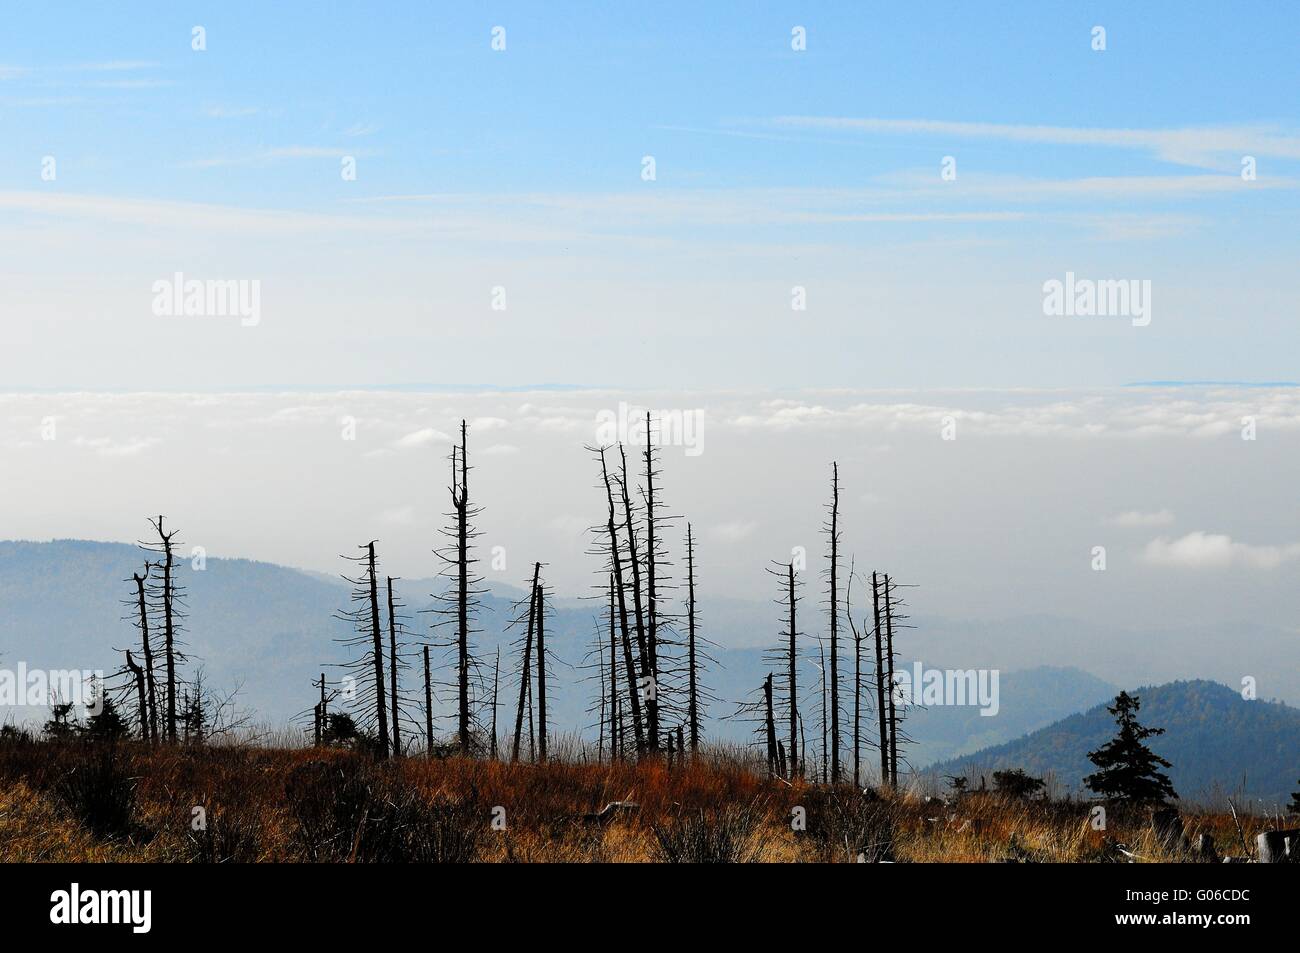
[496, 687]
[617, 730]
[825, 708]
[137, 675]
[667, 642]
[428, 706]
[882, 678]
[697, 695]
[397, 664]
[647, 686]
[458, 605]
[540, 597]
[327, 728]
[831, 528]
[608, 546]
[785, 657]
[769, 724]
[668, 657]
[319, 713]
[167, 604]
[858, 635]
[602, 664]
[652, 556]
[894, 620]
[891, 684]
[594, 662]
[141, 621]
[368, 699]
[525, 663]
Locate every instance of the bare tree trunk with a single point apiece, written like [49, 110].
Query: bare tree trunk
[614, 736]
[428, 706]
[629, 666]
[169, 629]
[462, 556]
[647, 671]
[770, 725]
[526, 675]
[796, 764]
[821, 650]
[652, 613]
[692, 705]
[857, 702]
[392, 670]
[320, 713]
[889, 658]
[621, 739]
[532, 733]
[803, 747]
[835, 613]
[600, 722]
[378, 649]
[152, 733]
[138, 674]
[541, 670]
[880, 684]
[496, 685]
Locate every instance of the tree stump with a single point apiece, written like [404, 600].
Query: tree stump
[1272, 846]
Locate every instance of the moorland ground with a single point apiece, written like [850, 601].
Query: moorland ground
[125, 801]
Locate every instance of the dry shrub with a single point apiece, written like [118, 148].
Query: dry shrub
[360, 811]
[100, 792]
[844, 824]
[729, 834]
[228, 836]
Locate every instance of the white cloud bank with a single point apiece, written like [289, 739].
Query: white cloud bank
[1201, 550]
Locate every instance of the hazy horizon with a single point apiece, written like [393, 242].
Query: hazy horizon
[1032, 318]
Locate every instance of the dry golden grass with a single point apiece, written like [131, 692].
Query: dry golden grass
[134, 803]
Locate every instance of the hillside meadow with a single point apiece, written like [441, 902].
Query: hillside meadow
[79, 801]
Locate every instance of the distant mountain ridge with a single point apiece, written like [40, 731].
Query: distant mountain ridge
[271, 630]
[1219, 743]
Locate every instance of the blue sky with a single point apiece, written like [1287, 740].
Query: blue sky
[775, 168]
[521, 170]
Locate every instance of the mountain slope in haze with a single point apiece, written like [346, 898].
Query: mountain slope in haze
[1219, 744]
[271, 630]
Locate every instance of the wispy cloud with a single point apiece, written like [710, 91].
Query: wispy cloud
[130, 84]
[178, 215]
[278, 153]
[422, 437]
[1134, 518]
[1204, 147]
[112, 447]
[115, 66]
[231, 112]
